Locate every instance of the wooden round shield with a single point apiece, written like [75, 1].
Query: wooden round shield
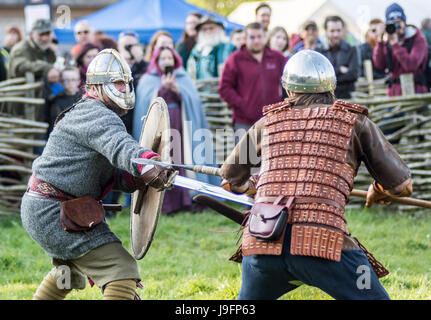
[146, 206]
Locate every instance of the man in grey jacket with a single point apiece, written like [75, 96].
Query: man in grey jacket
[87, 154]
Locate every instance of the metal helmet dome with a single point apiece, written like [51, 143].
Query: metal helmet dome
[309, 71]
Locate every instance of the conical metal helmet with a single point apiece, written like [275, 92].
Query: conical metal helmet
[309, 71]
[108, 67]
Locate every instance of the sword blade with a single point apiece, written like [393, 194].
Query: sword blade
[206, 188]
[160, 163]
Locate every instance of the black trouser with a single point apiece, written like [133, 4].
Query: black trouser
[269, 276]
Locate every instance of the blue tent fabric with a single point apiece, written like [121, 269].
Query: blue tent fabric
[142, 16]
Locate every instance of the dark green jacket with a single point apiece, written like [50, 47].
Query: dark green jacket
[27, 56]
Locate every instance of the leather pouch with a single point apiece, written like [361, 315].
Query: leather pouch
[81, 214]
[268, 220]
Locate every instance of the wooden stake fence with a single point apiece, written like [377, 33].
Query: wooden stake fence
[406, 121]
[18, 137]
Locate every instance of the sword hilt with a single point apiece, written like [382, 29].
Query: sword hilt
[171, 178]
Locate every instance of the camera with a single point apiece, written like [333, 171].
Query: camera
[392, 27]
[168, 69]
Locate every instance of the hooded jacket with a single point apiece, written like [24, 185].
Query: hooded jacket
[402, 60]
[247, 85]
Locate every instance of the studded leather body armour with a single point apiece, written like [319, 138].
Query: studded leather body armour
[304, 154]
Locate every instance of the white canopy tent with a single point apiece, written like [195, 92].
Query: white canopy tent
[291, 14]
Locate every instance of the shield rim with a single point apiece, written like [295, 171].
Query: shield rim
[161, 105]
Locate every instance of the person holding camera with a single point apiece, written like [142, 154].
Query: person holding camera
[167, 78]
[401, 49]
[132, 51]
[366, 49]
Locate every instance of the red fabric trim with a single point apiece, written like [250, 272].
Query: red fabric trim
[47, 190]
[129, 180]
[90, 281]
[109, 187]
[146, 155]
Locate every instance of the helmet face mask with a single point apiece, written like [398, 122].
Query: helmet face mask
[107, 68]
[125, 100]
[309, 72]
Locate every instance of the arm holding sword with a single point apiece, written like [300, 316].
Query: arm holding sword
[368, 145]
[152, 175]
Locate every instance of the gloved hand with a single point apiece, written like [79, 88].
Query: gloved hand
[249, 187]
[153, 175]
[377, 194]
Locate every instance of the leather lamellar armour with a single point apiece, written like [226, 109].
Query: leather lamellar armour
[304, 154]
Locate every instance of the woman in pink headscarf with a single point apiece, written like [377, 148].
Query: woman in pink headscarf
[83, 59]
[167, 78]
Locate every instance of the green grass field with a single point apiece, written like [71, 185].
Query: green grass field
[189, 261]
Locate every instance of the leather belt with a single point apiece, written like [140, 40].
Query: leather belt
[299, 200]
[44, 190]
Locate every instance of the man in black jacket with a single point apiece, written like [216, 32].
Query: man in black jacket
[343, 57]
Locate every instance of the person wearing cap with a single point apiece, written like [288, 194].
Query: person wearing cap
[211, 50]
[34, 54]
[307, 150]
[310, 37]
[401, 50]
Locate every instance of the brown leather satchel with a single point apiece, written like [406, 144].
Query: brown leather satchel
[81, 214]
[268, 220]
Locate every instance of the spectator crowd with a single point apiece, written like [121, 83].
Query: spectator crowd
[248, 62]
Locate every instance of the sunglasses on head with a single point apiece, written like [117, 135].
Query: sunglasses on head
[82, 32]
[128, 33]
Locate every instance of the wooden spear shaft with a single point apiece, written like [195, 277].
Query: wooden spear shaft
[355, 192]
[402, 200]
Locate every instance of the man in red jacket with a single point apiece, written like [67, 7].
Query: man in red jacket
[251, 78]
[405, 51]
